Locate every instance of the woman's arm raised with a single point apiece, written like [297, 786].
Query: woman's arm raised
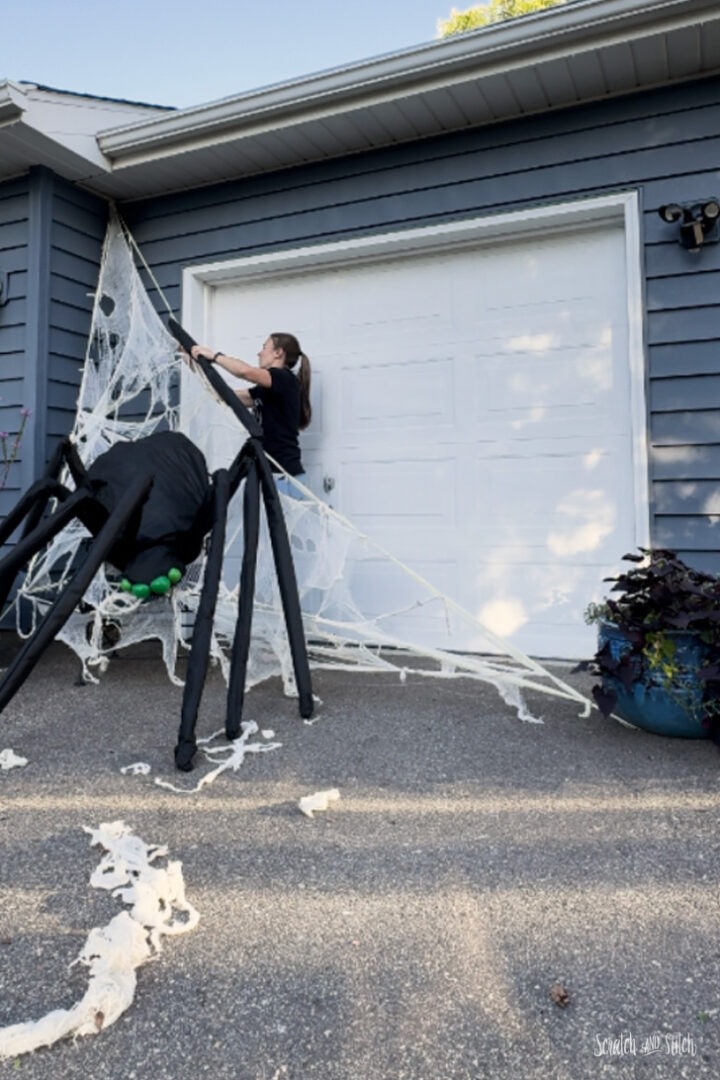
[259, 376]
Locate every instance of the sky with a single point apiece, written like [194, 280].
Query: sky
[185, 53]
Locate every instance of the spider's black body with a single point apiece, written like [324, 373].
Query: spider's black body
[149, 506]
[169, 528]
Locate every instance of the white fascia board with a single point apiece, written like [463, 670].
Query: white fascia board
[37, 148]
[72, 121]
[522, 42]
[12, 102]
[59, 130]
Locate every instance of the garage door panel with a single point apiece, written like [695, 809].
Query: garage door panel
[543, 423]
[392, 394]
[589, 455]
[414, 493]
[586, 377]
[540, 422]
[407, 341]
[566, 509]
[545, 268]
[256, 310]
[241, 332]
[386, 314]
[561, 324]
[584, 540]
[541, 489]
[516, 385]
[386, 302]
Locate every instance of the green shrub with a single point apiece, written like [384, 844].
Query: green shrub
[494, 11]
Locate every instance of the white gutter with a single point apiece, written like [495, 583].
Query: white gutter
[567, 29]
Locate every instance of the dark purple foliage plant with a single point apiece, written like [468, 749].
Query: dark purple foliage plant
[649, 603]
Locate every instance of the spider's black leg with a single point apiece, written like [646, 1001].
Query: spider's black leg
[65, 604]
[75, 465]
[202, 630]
[25, 507]
[35, 501]
[288, 585]
[241, 641]
[35, 541]
[239, 468]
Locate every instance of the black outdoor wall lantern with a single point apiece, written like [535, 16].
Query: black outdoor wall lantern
[699, 221]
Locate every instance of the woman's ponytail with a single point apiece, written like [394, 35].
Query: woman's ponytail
[291, 347]
[305, 407]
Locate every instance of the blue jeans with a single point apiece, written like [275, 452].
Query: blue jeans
[284, 485]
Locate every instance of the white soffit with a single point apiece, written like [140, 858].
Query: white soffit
[582, 51]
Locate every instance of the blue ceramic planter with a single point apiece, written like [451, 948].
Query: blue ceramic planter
[648, 704]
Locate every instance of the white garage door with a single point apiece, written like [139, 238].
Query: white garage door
[472, 414]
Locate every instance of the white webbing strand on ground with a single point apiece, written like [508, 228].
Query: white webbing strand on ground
[10, 760]
[363, 609]
[112, 953]
[230, 755]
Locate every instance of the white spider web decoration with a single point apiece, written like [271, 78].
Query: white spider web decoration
[157, 907]
[130, 389]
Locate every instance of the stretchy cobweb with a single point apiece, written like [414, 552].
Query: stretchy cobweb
[130, 389]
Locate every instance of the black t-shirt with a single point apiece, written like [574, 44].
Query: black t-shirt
[280, 415]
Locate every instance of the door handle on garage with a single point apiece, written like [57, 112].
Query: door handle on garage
[328, 484]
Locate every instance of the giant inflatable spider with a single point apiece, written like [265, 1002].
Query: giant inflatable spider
[149, 505]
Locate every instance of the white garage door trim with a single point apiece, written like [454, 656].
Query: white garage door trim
[198, 281]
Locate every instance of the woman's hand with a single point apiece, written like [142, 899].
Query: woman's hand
[201, 350]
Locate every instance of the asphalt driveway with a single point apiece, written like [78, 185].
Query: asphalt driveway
[414, 930]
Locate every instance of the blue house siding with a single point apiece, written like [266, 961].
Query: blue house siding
[78, 223]
[14, 237]
[51, 237]
[662, 143]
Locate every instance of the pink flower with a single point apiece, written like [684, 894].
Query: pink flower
[4, 434]
[26, 412]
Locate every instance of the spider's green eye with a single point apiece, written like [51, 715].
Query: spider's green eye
[160, 585]
[174, 575]
[141, 591]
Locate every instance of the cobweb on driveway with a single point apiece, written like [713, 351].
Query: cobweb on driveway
[156, 907]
